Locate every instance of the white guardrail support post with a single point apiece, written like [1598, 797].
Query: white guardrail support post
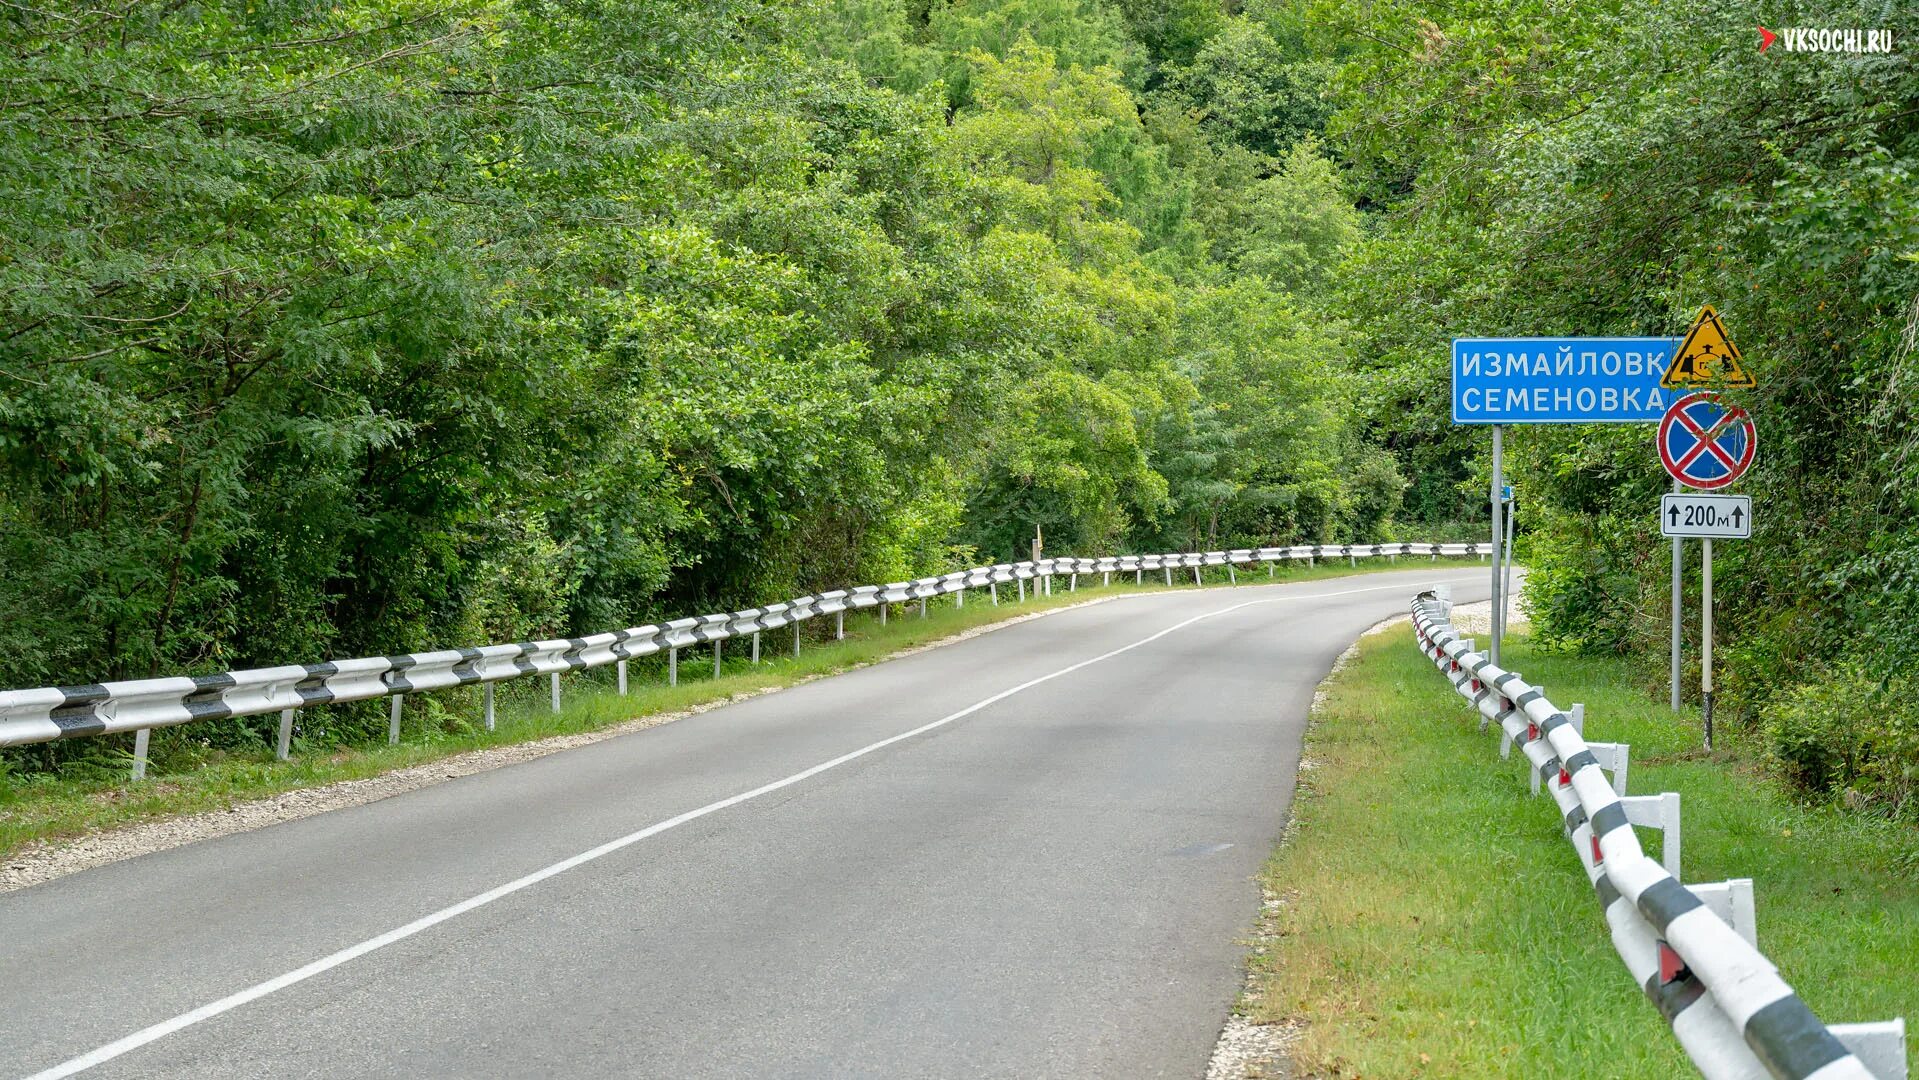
[554, 682]
[619, 672]
[393, 721]
[140, 740]
[283, 747]
[1881, 1045]
[487, 704]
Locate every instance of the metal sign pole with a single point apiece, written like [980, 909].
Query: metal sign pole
[1506, 578]
[1499, 605]
[1705, 645]
[1678, 586]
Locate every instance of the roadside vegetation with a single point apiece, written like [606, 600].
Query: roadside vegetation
[1434, 921]
[196, 775]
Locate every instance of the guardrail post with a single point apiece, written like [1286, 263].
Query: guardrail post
[1615, 758]
[922, 607]
[882, 613]
[1074, 587]
[1105, 578]
[1732, 901]
[1197, 580]
[1169, 576]
[672, 665]
[488, 699]
[619, 668]
[140, 739]
[796, 639]
[1139, 575]
[555, 682]
[993, 588]
[1269, 569]
[959, 598]
[1022, 590]
[839, 624]
[393, 721]
[1660, 812]
[1880, 1046]
[1232, 575]
[716, 657]
[284, 747]
[756, 646]
[1354, 559]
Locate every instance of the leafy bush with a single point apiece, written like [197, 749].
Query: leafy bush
[1846, 736]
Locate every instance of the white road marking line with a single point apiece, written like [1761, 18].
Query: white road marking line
[253, 993]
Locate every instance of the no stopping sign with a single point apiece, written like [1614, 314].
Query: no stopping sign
[1705, 443]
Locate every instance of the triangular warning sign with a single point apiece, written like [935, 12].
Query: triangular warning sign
[1707, 357]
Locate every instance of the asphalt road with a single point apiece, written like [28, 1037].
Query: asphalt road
[1050, 884]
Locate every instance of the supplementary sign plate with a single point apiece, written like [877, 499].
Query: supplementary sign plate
[1722, 517]
[1705, 443]
[1560, 380]
[1707, 357]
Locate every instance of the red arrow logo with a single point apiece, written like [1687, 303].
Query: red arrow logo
[1766, 38]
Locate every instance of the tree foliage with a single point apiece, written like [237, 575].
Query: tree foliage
[378, 326]
[1534, 173]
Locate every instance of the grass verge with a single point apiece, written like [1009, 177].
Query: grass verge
[45, 806]
[1434, 922]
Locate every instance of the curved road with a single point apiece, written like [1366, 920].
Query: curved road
[1028, 854]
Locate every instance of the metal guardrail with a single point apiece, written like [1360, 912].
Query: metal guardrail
[1692, 948]
[139, 705]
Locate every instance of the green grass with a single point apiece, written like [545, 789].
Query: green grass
[86, 798]
[1436, 923]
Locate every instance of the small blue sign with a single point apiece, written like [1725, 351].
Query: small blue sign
[1561, 380]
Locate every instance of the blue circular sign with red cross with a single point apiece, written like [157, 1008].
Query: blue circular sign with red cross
[1705, 443]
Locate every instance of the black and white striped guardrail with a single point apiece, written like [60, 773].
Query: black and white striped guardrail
[1692, 948]
[67, 712]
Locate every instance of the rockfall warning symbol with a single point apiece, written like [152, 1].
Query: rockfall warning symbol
[1707, 357]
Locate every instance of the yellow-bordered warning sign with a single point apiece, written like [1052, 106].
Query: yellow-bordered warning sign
[1707, 357]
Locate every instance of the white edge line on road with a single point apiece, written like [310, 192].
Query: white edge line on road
[257, 991]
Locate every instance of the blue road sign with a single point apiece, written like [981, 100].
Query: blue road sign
[1560, 380]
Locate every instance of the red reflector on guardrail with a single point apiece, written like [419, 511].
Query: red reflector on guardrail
[1671, 966]
[1565, 777]
[1532, 732]
[1598, 856]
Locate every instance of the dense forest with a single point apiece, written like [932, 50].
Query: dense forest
[378, 325]
[337, 329]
